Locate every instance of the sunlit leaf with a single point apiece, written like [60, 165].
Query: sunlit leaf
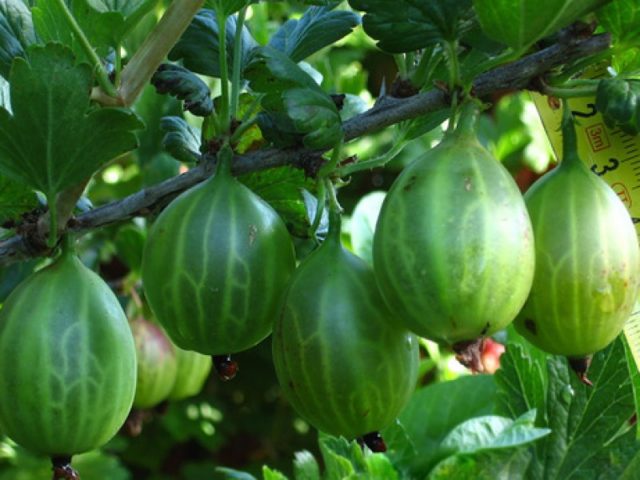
[53, 139]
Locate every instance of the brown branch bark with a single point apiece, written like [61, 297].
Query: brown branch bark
[387, 111]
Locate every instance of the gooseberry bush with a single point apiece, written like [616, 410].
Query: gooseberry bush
[261, 239]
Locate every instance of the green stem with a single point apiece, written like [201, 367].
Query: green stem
[401, 64]
[424, 70]
[454, 110]
[335, 211]
[224, 159]
[237, 57]
[68, 245]
[468, 117]
[451, 49]
[101, 73]
[569, 137]
[242, 128]
[224, 71]
[321, 200]
[576, 92]
[328, 168]
[377, 162]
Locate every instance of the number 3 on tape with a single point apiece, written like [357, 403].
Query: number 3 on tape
[609, 153]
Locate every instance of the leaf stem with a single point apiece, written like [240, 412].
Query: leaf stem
[101, 73]
[321, 199]
[401, 64]
[145, 61]
[224, 70]
[237, 57]
[451, 49]
[328, 168]
[377, 162]
[575, 92]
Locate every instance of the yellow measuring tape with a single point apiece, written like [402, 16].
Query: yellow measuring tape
[610, 153]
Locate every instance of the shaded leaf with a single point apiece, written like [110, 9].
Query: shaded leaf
[199, 48]
[107, 22]
[16, 32]
[53, 140]
[283, 188]
[633, 366]
[294, 104]
[129, 241]
[227, 7]
[617, 101]
[181, 140]
[363, 224]
[413, 24]
[318, 27]
[521, 23]
[622, 19]
[15, 198]
[184, 85]
[12, 275]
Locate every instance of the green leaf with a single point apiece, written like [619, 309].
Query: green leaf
[53, 140]
[634, 373]
[16, 32]
[107, 22]
[617, 101]
[15, 199]
[294, 103]
[184, 85]
[492, 433]
[199, 48]
[305, 466]
[227, 7]
[129, 241]
[334, 453]
[12, 275]
[318, 27]
[622, 19]
[231, 474]
[283, 188]
[269, 474]
[363, 224]
[413, 24]
[314, 114]
[521, 381]
[590, 435]
[521, 23]
[51, 26]
[507, 464]
[433, 411]
[379, 466]
[181, 140]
